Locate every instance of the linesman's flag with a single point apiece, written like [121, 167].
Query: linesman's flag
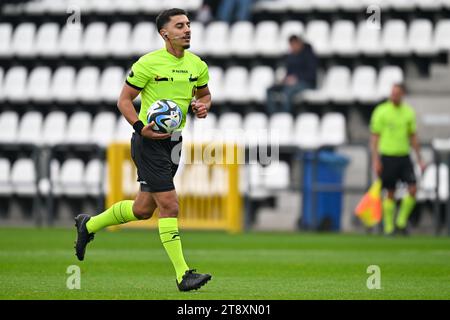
[369, 209]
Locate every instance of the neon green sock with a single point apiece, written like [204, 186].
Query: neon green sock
[388, 215]
[406, 207]
[170, 238]
[118, 213]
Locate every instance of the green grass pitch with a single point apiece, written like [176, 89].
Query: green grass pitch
[132, 264]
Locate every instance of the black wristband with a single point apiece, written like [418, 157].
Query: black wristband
[138, 126]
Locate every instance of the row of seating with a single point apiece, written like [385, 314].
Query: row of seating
[307, 130]
[236, 84]
[219, 39]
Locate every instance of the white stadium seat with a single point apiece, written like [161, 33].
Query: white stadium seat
[236, 84]
[216, 83]
[197, 35]
[388, 76]
[9, 122]
[144, 38]
[72, 178]
[277, 176]
[23, 42]
[54, 128]
[94, 40]
[118, 39]
[30, 128]
[63, 84]
[364, 84]
[71, 40]
[336, 87]
[204, 130]
[318, 35]
[332, 129]
[281, 124]
[2, 73]
[441, 35]
[86, 85]
[350, 5]
[23, 177]
[103, 6]
[230, 126]
[79, 128]
[256, 128]
[123, 131]
[433, 5]
[402, 5]
[217, 39]
[343, 38]
[420, 37]
[368, 40]
[241, 39]
[428, 182]
[111, 83]
[15, 85]
[261, 78]
[103, 127]
[266, 38]
[5, 177]
[394, 38]
[289, 28]
[299, 6]
[38, 86]
[325, 5]
[307, 131]
[47, 40]
[94, 177]
[6, 32]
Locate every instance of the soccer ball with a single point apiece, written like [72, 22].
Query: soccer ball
[166, 114]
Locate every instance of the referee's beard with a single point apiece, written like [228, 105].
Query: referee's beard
[187, 46]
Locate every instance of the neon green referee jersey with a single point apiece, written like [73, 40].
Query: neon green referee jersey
[394, 125]
[161, 75]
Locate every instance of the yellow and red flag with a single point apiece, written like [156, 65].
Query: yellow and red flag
[369, 209]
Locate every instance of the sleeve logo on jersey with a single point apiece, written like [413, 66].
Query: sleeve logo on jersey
[131, 74]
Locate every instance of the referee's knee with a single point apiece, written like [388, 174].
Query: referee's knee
[168, 209]
[142, 213]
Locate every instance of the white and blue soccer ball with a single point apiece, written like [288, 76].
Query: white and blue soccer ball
[166, 114]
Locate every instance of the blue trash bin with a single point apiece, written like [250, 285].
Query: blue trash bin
[322, 208]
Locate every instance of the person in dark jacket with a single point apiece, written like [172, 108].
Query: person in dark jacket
[301, 67]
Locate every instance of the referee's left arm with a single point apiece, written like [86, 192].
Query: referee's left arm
[203, 102]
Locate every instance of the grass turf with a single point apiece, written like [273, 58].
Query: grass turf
[132, 264]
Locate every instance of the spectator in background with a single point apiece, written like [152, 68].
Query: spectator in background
[208, 11]
[227, 7]
[301, 67]
[393, 127]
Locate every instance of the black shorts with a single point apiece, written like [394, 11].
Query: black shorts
[397, 169]
[154, 163]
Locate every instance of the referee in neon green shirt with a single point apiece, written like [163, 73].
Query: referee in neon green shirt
[393, 127]
[169, 73]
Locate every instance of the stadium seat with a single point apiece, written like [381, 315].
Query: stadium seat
[277, 176]
[441, 38]
[79, 128]
[256, 183]
[256, 128]
[333, 129]
[54, 128]
[86, 85]
[23, 41]
[70, 43]
[47, 40]
[351, 5]
[94, 40]
[103, 6]
[428, 182]
[218, 183]
[394, 38]
[63, 84]
[15, 85]
[325, 5]
[241, 41]
[364, 84]
[144, 38]
[30, 128]
[298, 6]
[342, 40]
[281, 126]
[94, 177]
[38, 86]
[103, 127]
[420, 37]
[388, 76]
[307, 131]
[151, 6]
[23, 177]
[123, 131]
[429, 5]
[261, 78]
[5, 177]
[198, 33]
[368, 40]
[111, 83]
[204, 130]
[236, 84]
[289, 28]
[216, 85]
[402, 5]
[126, 7]
[217, 39]
[318, 35]
[336, 87]
[230, 126]
[72, 178]
[9, 122]
[266, 39]
[118, 39]
[1, 84]
[6, 40]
